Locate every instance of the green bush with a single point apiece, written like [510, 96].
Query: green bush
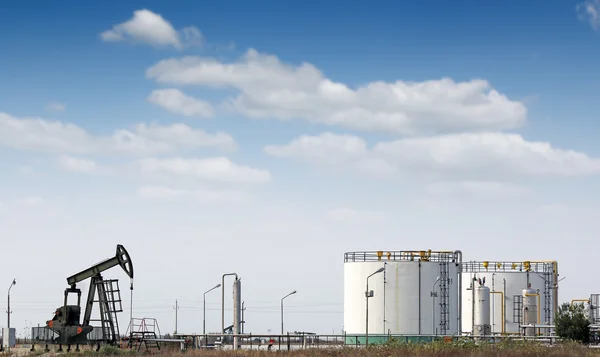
[571, 323]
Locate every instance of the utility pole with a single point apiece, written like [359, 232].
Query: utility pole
[243, 321]
[176, 307]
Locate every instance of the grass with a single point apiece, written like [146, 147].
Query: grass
[432, 349]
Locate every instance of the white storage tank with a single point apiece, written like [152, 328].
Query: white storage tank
[416, 294]
[482, 310]
[506, 281]
[530, 310]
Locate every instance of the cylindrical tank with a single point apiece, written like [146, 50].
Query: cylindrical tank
[530, 310]
[237, 310]
[482, 311]
[416, 294]
[589, 311]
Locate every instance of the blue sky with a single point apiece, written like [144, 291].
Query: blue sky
[414, 181]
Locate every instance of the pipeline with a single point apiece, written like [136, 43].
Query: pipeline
[503, 310]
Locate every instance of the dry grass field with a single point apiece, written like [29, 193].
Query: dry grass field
[508, 349]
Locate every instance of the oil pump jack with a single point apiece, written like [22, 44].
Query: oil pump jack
[66, 318]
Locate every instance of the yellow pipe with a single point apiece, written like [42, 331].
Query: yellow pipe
[579, 300]
[503, 314]
[538, 306]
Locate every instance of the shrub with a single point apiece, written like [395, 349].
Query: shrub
[571, 323]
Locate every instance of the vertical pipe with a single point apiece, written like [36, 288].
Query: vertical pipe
[473, 305]
[458, 254]
[367, 315]
[384, 283]
[493, 301]
[131, 314]
[419, 297]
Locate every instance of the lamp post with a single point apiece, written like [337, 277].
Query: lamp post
[204, 308]
[8, 312]
[433, 296]
[293, 292]
[369, 294]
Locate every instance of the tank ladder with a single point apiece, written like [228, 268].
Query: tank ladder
[548, 285]
[444, 295]
[109, 302]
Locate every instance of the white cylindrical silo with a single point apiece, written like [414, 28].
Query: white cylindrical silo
[482, 311]
[530, 310]
[417, 293]
[589, 311]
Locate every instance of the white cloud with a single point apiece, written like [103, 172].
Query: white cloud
[269, 88]
[219, 169]
[589, 11]
[199, 196]
[332, 150]
[483, 154]
[77, 164]
[178, 102]
[35, 134]
[150, 28]
[348, 215]
[479, 189]
[56, 107]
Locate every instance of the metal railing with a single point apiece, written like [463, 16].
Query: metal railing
[402, 255]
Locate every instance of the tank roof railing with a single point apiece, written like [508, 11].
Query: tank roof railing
[403, 255]
[507, 266]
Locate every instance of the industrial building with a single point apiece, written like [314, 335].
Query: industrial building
[506, 281]
[426, 293]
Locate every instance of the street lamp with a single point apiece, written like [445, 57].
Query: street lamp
[8, 312]
[293, 292]
[204, 308]
[433, 295]
[369, 294]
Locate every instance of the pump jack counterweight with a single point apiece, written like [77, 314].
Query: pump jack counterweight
[66, 318]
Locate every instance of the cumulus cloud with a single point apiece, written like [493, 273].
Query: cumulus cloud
[178, 102]
[589, 11]
[35, 134]
[152, 29]
[219, 169]
[199, 196]
[75, 164]
[487, 154]
[269, 88]
[478, 189]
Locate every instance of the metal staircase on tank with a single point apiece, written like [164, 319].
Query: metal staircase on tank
[548, 285]
[109, 301]
[444, 294]
[144, 332]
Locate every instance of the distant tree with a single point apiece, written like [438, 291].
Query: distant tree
[572, 323]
